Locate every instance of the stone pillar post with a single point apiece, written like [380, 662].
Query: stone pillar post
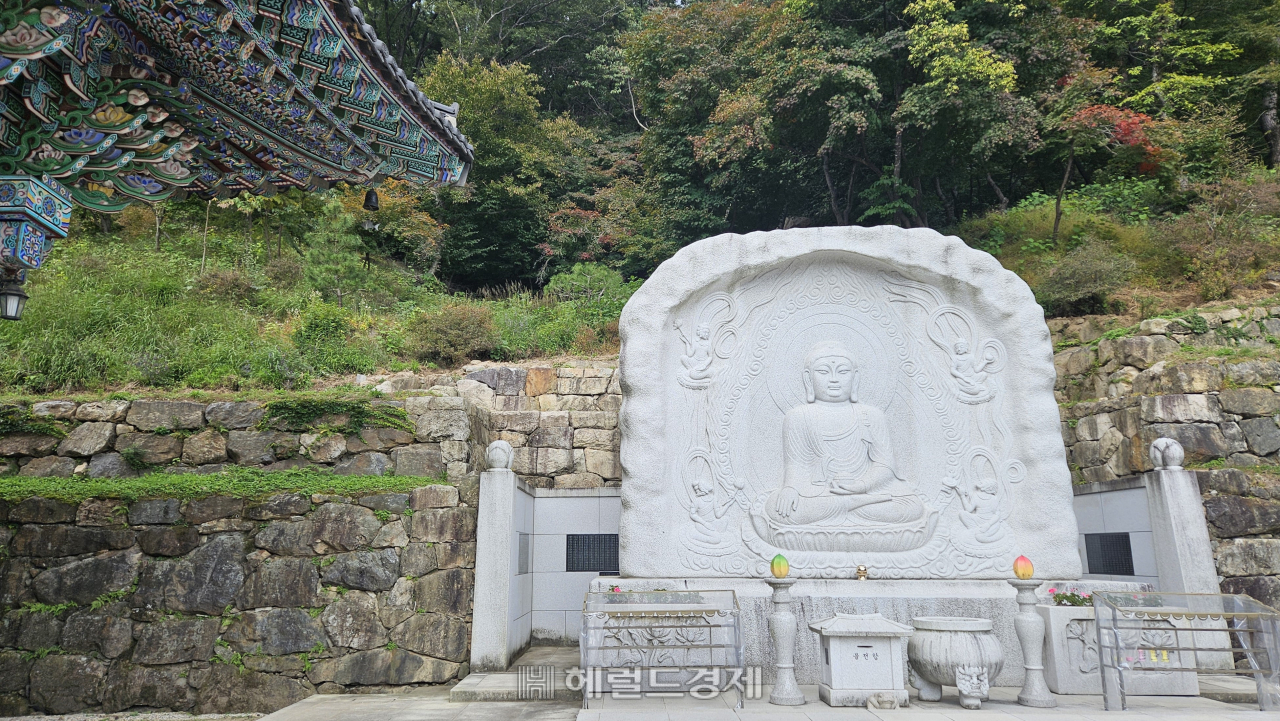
[1180, 535]
[1030, 629]
[782, 627]
[490, 645]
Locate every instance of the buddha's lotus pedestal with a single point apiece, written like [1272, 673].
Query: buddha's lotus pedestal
[870, 538]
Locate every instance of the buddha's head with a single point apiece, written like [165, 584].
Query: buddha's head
[830, 375]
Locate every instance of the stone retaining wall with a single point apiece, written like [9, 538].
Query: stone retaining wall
[191, 437]
[217, 605]
[1120, 394]
[1223, 411]
[1090, 365]
[562, 422]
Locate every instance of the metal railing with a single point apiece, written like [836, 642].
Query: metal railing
[1201, 633]
[658, 643]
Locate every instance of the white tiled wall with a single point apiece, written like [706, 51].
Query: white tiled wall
[557, 594]
[1120, 511]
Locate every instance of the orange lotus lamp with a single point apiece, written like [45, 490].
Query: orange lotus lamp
[1022, 568]
[779, 566]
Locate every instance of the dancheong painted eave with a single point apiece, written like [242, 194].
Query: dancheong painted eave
[106, 104]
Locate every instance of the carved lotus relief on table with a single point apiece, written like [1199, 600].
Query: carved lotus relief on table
[838, 414]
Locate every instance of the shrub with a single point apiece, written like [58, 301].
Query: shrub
[284, 272]
[138, 221]
[326, 340]
[590, 341]
[586, 281]
[598, 292]
[452, 335]
[1083, 279]
[227, 285]
[1228, 239]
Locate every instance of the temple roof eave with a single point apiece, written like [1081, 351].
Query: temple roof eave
[428, 112]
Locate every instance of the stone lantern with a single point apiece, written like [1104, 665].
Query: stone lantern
[862, 660]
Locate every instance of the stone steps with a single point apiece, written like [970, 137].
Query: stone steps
[504, 685]
[1229, 689]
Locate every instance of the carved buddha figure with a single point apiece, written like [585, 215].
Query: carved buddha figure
[838, 467]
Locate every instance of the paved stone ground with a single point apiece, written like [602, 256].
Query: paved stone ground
[135, 716]
[433, 707]
[1002, 707]
[432, 704]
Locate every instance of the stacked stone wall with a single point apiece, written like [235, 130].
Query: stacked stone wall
[1120, 394]
[101, 438]
[1091, 365]
[219, 605]
[222, 605]
[561, 421]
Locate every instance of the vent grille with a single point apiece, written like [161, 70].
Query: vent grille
[522, 566]
[1109, 554]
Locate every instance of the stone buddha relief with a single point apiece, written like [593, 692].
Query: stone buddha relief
[838, 470]
[838, 409]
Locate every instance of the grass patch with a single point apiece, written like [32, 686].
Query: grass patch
[300, 414]
[14, 419]
[247, 483]
[107, 315]
[343, 392]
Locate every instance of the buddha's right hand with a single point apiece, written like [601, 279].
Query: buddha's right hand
[786, 501]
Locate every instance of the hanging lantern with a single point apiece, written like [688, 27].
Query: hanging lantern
[12, 301]
[371, 200]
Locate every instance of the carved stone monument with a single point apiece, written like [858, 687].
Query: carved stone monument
[842, 396]
[848, 396]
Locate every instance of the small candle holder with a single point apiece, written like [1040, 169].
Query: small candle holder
[782, 627]
[1030, 629]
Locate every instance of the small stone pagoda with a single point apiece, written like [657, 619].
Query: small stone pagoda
[109, 103]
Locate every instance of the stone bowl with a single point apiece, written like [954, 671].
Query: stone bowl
[952, 651]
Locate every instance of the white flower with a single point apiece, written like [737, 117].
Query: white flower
[53, 16]
[24, 36]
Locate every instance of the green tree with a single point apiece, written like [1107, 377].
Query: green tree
[524, 161]
[334, 263]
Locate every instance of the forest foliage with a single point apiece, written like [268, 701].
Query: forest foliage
[1088, 145]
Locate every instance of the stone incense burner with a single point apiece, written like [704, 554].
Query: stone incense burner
[960, 652]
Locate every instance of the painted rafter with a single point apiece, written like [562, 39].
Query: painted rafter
[109, 103]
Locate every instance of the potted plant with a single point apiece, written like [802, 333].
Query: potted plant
[1071, 650]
